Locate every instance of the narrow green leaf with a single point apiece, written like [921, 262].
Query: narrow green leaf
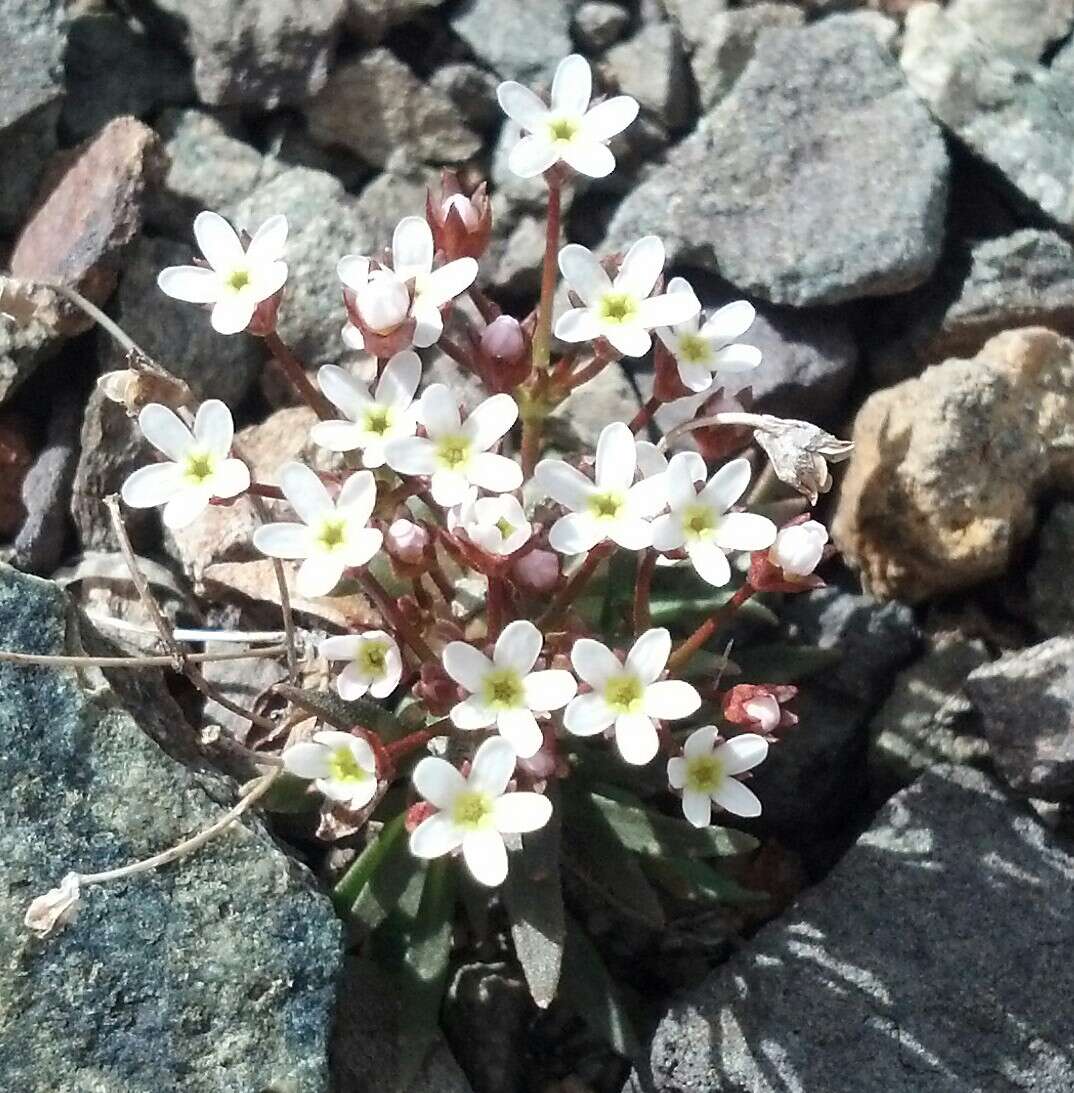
[352, 883]
[784, 662]
[390, 876]
[331, 708]
[696, 881]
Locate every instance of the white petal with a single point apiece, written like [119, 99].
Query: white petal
[648, 656]
[267, 280]
[493, 766]
[185, 507]
[284, 540]
[641, 267]
[677, 772]
[471, 714]
[668, 533]
[466, 665]
[354, 794]
[343, 390]
[269, 242]
[671, 699]
[412, 247]
[446, 283]
[495, 473]
[631, 532]
[393, 673]
[449, 488]
[192, 284]
[307, 760]
[737, 358]
[572, 85]
[521, 729]
[399, 380]
[727, 485]
[232, 314]
[429, 325]
[617, 458]
[680, 480]
[490, 420]
[341, 647]
[729, 322]
[710, 563]
[575, 533]
[532, 156]
[518, 647]
[213, 427]
[550, 689]
[580, 324]
[362, 545]
[737, 799]
[647, 497]
[163, 429]
[352, 337]
[632, 340]
[700, 742]
[610, 117]
[154, 485]
[230, 478]
[695, 376]
[583, 272]
[745, 531]
[588, 157]
[439, 411]
[411, 455]
[305, 491]
[318, 576]
[697, 808]
[218, 241]
[357, 498]
[521, 104]
[486, 857]
[353, 270]
[742, 753]
[436, 836]
[563, 483]
[352, 683]
[668, 310]
[337, 436]
[636, 738]
[588, 715]
[438, 781]
[517, 813]
[594, 663]
[358, 747]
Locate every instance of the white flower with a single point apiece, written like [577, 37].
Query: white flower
[700, 522]
[495, 524]
[239, 278]
[200, 467]
[331, 536]
[505, 691]
[569, 131]
[621, 310]
[342, 766]
[475, 812]
[411, 289]
[704, 773]
[703, 351]
[613, 507]
[798, 549]
[372, 420]
[652, 461]
[628, 696]
[455, 452]
[764, 709]
[374, 664]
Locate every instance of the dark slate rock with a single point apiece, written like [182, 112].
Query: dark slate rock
[214, 974]
[925, 963]
[1051, 592]
[599, 24]
[820, 178]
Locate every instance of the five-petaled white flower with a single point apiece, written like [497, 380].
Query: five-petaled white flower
[613, 507]
[200, 467]
[506, 691]
[374, 665]
[331, 536]
[628, 696]
[621, 310]
[700, 522]
[704, 350]
[343, 767]
[475, 811]
[455, 452]
[410, 289]
[238, 278]
[372, 420]
[705, 773]
[495, 524]
[798, 549]
[569, 130]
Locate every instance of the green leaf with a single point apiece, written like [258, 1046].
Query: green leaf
[354, 881]
[784, 662]
[696, 881]
[331, 708]
[534, 899]
[391, 874]
[588, 988]
[291, 794]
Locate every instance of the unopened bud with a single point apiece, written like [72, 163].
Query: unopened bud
[407, 542]
[464, 207]
[504, 352]
[49, 914]
[799, 548]
[538, 570]
[461, 224]
[383, 301]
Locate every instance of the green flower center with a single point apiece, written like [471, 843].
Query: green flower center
[704, 774]
[563, 130]
[378, 420]
[606, 506]
[373, 658]
[505, 527]
[343, 767]
[699, 522]
[238, 279]
[472, 810]
[453, 452]
[694, 349]
[618, 307]
[502, 689]
[624, 694]
[198, 468]
[333, 534]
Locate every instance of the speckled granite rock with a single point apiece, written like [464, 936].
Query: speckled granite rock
[215, 974]
[517, 39]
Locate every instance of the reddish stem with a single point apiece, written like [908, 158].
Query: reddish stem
[709, 627]
[495, 607]
[644, 415]
[395, 618]
[542, 336]
[642, 586]
[568, 593]
[295, 373]
[586, 373]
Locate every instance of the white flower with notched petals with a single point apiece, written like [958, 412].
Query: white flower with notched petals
[707, 352]
[455, 452]
[506, 691]
[341, 766]
[332, 535]
[622, 311]
[238, 278]
[374, 665]
[475, 811]
[701, 524]
[628, 696]
[569, 130]
[705, 773]
[200, 466]
[612, 507]
[371, 420]
[497, 525]
[798, 549]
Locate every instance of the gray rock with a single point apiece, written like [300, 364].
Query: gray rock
[25, 345]
[517, 39]
[599, 24]
[1051, 593]
[377, 108]
[371, 20]
[518, 261]
[256, 52]
[577, 421]
[772, 192]
[512, 196]
[694, 17]
[114, 67]
[1026, 700]
[1012, 114]
[471, 90]
[390, 197]
[215, 973]
[925, 963]
[1020, 28]
[651, 67]
[1063, 61]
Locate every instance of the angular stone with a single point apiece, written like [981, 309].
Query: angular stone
[376, 107]
[471, 90]
[371, 20]
[1020, 28]
[517, 268]
[577, 421]
[1026, 701]
[770, 191]
[1013, 114]
[694, 17]
[26, 344]
[924, 963]
[947, 467]
[651, 67]
[16, 455]
[517, 39]
[1051, 592]
[256, 52]
[599, 24]
[217, 972]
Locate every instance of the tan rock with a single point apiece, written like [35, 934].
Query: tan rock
[947, 467]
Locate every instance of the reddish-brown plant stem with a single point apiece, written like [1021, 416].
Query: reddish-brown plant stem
[295, 374]
[495, 607]
[488, 310]
[587, 372]
[542, 336]
[394, 617]
[460, 355]
[642, 587]
[642, 418]
[569, 592]
[260, 489]
[709, 627]
[400, 749]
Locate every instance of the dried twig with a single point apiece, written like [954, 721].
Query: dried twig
[164, 661]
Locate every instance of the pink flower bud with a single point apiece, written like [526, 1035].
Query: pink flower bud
[465, 209]
[503, 339]
[764, 710]
[406, 542]
[537, 570]
[799, 548]
[383, 301]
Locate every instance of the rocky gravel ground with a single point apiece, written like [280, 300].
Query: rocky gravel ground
[892, 185]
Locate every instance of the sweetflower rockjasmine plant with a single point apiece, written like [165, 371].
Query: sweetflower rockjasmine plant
[341, 766]
[799, 548]
[570, 130]
[199, 467]
[475, 811]
[498, 525]
[237, 278]
[374, 663]
[705, 773]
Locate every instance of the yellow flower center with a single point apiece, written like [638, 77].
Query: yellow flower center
[699, 522]
[453, 452]
[373, 658]
[472, 810]
[502, 689]
[618, 307]
[238, 279]
[505, 527]
[333, 534]
[624, 694]
[563, 130]
[343, 767]
[198, 468]
[378, 420]
[607, 505]
[694, 349]
[704, 773]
